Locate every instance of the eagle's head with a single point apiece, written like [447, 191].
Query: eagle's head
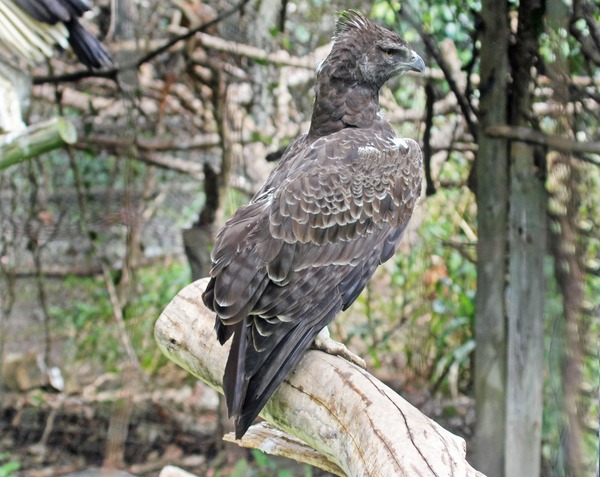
[366, 53]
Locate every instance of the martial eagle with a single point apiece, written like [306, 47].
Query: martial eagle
[333, 210]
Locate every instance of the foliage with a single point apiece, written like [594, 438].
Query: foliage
[427, 303]
[263, 465]
[8, 467]
[89, 320]
[267, 466]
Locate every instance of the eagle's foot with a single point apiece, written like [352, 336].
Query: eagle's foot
[323, 342]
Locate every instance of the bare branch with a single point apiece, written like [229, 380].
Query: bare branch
[434, 50]
[155, 144]
[270, 439]
[560, 143]
[279, 57]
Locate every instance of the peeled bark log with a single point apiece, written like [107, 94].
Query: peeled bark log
[354, 421]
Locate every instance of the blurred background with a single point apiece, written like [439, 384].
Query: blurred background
[487, 319]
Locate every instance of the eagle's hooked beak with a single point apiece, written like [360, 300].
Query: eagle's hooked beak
[416, 63]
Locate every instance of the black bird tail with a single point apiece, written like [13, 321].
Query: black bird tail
[234, 388]
[87, 47]
[247, 394]
[251, 377]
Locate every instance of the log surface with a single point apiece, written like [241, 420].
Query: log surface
[356, 422]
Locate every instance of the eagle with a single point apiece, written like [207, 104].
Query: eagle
[330, 213]
[32, 27]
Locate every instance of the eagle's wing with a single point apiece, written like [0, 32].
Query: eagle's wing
[301, 252]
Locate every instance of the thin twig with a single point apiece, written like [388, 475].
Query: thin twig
[433, 49]
[427, 151]
[119, 319]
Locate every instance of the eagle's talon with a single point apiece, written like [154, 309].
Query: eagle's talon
[324, 342]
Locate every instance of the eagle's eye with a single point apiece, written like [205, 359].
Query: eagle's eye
[388, 52]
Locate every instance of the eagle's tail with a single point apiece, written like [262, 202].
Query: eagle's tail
[251, 377]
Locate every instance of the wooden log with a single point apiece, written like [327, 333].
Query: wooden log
[358, 425]
[35, 140]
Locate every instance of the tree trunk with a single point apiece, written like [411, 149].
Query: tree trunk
[525, 340]
[527, 244]
[492, 203]
[566, 176]
[359, 426]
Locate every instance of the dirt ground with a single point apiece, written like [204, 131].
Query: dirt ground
[170, 421]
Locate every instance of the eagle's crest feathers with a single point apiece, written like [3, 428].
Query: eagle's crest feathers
[349, 20]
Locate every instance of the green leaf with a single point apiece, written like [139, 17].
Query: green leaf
[7, 469]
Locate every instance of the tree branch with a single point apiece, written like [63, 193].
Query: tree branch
[434, 50]
[340, 410]
[427, 150]
[278, 57]
[528, 135]
[154, 144]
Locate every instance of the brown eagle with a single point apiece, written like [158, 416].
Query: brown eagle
[333, 210]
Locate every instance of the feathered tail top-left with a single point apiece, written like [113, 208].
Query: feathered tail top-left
[32, 28]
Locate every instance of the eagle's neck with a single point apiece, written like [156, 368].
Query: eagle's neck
[342, 103]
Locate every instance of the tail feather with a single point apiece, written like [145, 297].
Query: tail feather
[266, 366]
[267, 347]
[252, 407]
[234, 381]
[254, 376]
[87, 47]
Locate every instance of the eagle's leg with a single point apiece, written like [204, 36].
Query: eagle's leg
[323, 342]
